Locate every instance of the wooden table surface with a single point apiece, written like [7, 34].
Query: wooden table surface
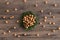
[48, 30]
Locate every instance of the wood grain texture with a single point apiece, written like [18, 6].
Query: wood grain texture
[29, 6]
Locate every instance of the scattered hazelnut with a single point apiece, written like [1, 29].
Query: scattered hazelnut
[9, 31]
[45, 2]
[36, 5]
[58, 28]
[40, 23]
[6, 22]
[25, 34]
[53, 23]
[49, 34]
[50, 22]
[41, 11]
[18, 36]
[44, 20]
[14, 27]
[43, 26]
[53, 16]
[7, 10]
[24, 1]
[16, 9]
[7, 3]
[15, 34]
[55, 5]
[50, 13]
[45, 17]
[4, 33]
[4, 17]
[37, 35]
[53, 30]
[18, 21]
[11, 17]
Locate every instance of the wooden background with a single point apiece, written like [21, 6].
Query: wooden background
[29, 6]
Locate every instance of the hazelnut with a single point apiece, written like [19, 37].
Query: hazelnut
[16, 9]
[14, 27]
[6, 22]
[4, 33]
[58, 28]
[43, 26]
[53, 30]
[24, 1]
[7, 3]
[7, 10]
[37, 35]
[49, 34]
[9, 31]
[17, 21]
[25, 34]
[50, 13]
[45, 2]
[50, 22]
[40, 23]
[36, 5]
[4, 17]
[53, 16]
[15, 34]
[11, 17]
[41, 11]
[55, 5]
[44, 20]
[27, 27]
[18, 36]
[45, 17]
[53, 23]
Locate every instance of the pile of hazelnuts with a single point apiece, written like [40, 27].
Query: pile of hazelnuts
[29, 20]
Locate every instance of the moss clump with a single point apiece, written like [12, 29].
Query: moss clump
[22, 23]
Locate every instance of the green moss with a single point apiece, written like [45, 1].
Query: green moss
[27, 13]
